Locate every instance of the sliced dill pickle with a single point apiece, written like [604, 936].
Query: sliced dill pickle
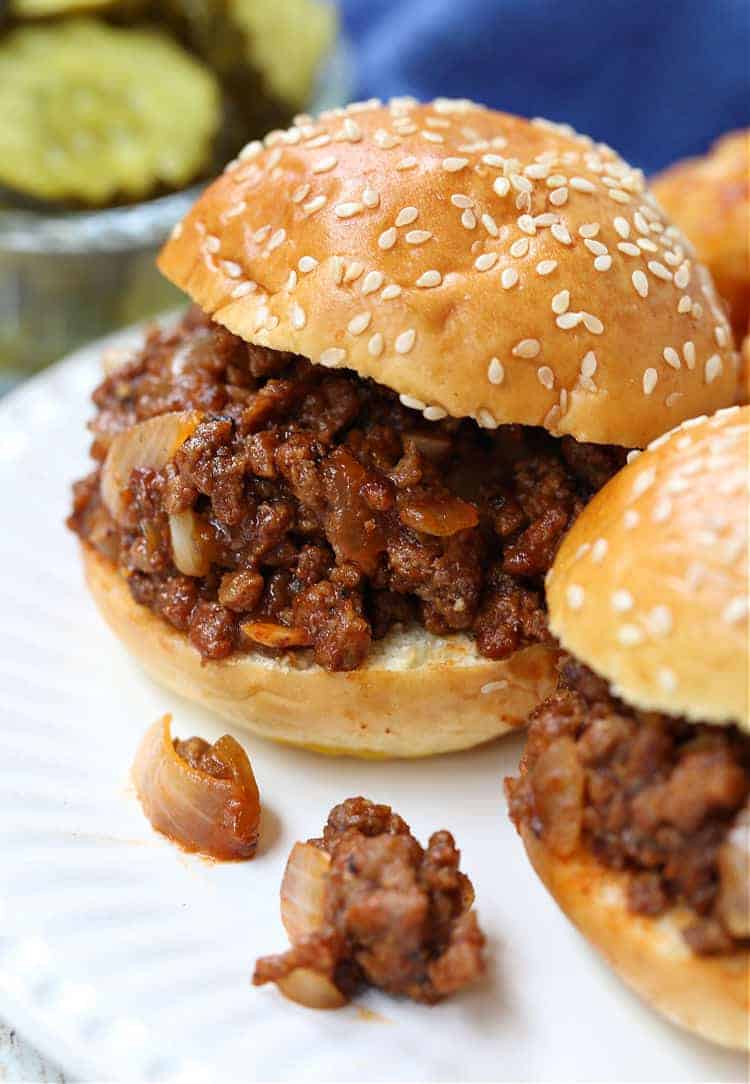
[95, 114]
[286, 42]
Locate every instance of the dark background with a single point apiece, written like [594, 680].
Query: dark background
[658, 79]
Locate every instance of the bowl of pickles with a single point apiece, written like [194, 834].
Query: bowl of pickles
[113, 115]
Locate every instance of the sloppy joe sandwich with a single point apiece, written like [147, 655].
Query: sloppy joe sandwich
[424, 336]
[632, 799]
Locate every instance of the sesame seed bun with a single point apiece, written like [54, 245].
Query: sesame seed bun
[709, 198]
[650, 586]
[415, 695]
[706, 995]
[476, 263]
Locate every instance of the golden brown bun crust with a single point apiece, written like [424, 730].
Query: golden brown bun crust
[416, 694]
[709, 199]
[404, 242]
[650, 586]
[705, 995]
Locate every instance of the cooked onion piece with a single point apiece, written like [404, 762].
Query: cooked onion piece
[311, 989]
[148, 444]
[203, 797]
[271, 634]
[191, 549]
[303, 890]
[733, 902]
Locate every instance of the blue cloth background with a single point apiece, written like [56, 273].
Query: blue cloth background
[658, 79]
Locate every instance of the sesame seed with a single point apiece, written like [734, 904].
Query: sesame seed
[213, 244]
[521, 183]
[370, 197]
[405, 341]
[458, 199]
[487, 420]
[640, 222]
[546, 267]
[735, 610]
[696, 310]
[417, 237]
[372, 281]
[407, 163]
[644, 481]
[243, 289]
[640, 283]
[324, 165]
[300, 193]
[667, 679]
[321, 140]
[387, 238]
[333, 357]
[603, 263]
[588, 365]
[348, 210]
[595, 247]
[545, 219]
[582, 184]
[494, 686]
[291, 282]
[555, 180]
[299, 318]
[671, 357]
[560, 233]
[307, 264]
[508, 278]
[520, 247]
[454, 165]
[527, 348]
[375, 345]
[559, 197]
[433, 137]
[314, 205]
[599, 550]
[429, 278]
[619, 195]
[632, 456]
[278, 239]
[546, 377]
[486, 261]
[685, 304]
[406, 216]
[561, 302]
[659, 270]
[622, 601]
[501, 186]
[629, 635]
[527, 224]
[659, 621]
[682, 276]
[386, 140]
[537, 171]
[592, 323]
[630, 519]
[490, 225]
[646, 245]
[589, 229]
[412, 403]
[575, 596]
[391, 291]
[662, 509]
[688, 352]
[495, 371]
[713, 368]
[359, 323]
[232, 269]
[721, 336]
[468, 220]
[650, 378]
[351, 130]
[434, 413]
[493, 160]
[568, 320]
[251, 150]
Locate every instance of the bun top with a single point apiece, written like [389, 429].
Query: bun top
[477, 263]
[650, 586]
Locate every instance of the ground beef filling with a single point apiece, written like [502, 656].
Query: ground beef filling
[397, 916]
[662, 798]
[331, 512]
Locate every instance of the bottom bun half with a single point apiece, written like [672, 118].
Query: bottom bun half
[416, 694]
[707, 995]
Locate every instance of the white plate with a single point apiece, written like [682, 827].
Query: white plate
[125, 959]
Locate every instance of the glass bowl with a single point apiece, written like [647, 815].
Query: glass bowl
[70, 277]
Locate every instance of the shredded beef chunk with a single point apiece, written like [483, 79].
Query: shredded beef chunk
[329, 510]
[397, 916]
[657, 796]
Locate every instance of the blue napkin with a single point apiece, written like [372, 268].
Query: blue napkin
[657, 79]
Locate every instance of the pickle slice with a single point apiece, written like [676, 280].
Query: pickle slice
[286, 42]
[94, 114]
